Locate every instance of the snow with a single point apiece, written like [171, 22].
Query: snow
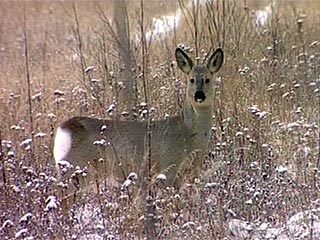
[21, 233]
[40, 135]
[299, 226]
[26, 218]
[161, 177]
[126, 184]
[26, 142]
[281, 169]
[51, 203]
[7, 223]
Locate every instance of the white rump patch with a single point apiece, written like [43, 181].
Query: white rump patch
[62, 146]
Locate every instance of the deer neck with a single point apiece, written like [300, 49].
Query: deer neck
[199, 123]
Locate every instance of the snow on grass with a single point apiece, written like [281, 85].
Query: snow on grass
[302, 225]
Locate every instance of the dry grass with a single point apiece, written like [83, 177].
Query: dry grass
[264, 159]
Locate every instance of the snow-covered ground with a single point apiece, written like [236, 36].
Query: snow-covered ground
[302, 225]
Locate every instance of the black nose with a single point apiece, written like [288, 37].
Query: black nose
[199, 96]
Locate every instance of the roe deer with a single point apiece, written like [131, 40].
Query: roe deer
[108, 148]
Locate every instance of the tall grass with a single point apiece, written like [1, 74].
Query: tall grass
[263, 161]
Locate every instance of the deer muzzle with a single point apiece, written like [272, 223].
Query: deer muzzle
[199, 96]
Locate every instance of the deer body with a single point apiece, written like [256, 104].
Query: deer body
[178, 144]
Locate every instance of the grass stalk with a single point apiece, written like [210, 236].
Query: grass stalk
[150, 227]
[28, 78]
[79, 45]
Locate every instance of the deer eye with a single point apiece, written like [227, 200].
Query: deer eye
[207, 80]
[192, 80]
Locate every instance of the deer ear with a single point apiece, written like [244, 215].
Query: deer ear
[183, 61]
[215, 61]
